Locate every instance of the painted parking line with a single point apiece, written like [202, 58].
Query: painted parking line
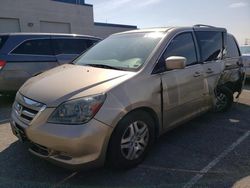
[160, 168]
[4, 121]
[65, 179]
[205, 170]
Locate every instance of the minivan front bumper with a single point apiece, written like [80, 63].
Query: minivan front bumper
[70, 146]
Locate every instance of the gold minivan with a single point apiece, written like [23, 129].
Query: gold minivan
[112, 102]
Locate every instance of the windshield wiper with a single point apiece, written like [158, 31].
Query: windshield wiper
[104, 66]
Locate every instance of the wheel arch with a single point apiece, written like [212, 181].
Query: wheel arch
[153, 114]
[149, 111]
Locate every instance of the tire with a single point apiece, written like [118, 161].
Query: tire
[131, 140]
[224, 99]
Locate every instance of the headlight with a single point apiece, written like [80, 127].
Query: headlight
[78, 111]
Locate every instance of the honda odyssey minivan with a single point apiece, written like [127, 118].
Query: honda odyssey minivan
[113, 101]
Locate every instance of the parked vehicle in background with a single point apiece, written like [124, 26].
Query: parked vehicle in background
[23, 55]
[126, 91]
[245, 50]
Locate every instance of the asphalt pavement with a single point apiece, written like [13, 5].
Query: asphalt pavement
[209, 151]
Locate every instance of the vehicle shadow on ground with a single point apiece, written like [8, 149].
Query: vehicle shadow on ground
[247, 84]
[5, 107]
[21, 169]
[6, 100]
[176, 157]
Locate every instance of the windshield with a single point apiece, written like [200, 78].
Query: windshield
[123, 52]
[245, 49]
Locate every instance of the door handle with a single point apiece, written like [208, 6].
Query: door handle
[209, 71]
[197, 74]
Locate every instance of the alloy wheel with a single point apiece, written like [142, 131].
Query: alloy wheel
[222, 101]
[135, 140]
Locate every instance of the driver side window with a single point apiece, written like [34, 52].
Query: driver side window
[182, 45]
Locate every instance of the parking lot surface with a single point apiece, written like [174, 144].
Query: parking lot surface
[209, 151]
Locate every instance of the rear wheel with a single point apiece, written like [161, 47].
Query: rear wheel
[131, 140]
[224, 99]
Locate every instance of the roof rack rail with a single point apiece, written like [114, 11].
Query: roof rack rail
[203, 25]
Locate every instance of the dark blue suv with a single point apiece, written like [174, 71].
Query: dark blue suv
[23, 55]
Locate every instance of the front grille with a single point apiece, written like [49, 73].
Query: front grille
[39, 149]
[46, 152]
[26, 109]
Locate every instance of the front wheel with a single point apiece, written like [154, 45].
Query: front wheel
[224, 99]
[131, 140]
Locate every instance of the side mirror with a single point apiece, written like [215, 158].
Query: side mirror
[175, 62]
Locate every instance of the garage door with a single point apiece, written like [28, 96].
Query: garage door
[8, 25]
[54, 27]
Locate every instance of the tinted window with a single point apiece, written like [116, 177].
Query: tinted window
[34, 47]
[182, 45]
[232, 47]
[90, 43]
[210, 43]
[3, 40]
[71, 46]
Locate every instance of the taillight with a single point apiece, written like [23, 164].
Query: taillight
[2, 64]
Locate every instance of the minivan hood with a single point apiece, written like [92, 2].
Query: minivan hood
[71, 81]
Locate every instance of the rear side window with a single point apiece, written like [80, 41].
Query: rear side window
[3, 40]
[34, 47]
[182, 45]
[210, 44]
[232, 47]
[71, 46]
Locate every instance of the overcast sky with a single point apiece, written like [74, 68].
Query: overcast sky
[232, 14]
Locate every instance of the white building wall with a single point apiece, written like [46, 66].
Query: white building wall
[32, 12]
[9, 25]
[51, 16]
[54, 27]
